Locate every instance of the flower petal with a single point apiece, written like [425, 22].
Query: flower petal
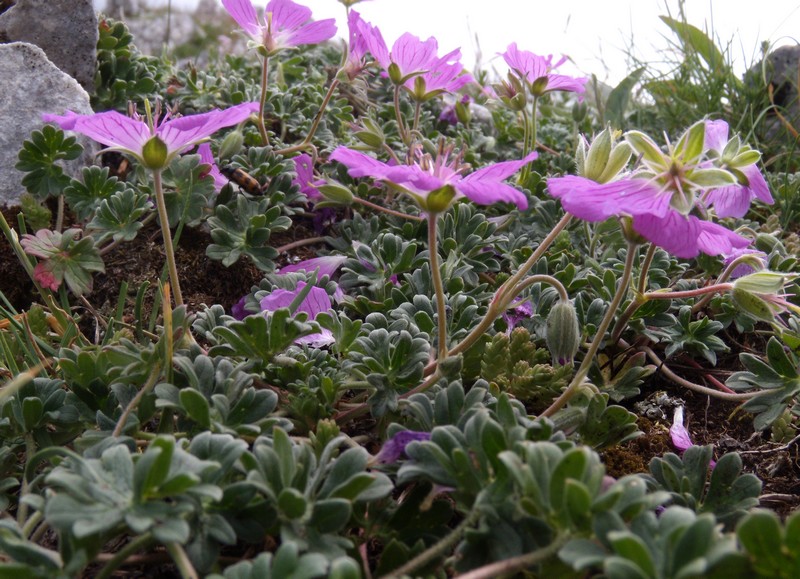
[180, 133]
[243, 12]
[114, 130]
[360, 164]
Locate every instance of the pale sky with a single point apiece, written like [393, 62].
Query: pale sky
[594, 33]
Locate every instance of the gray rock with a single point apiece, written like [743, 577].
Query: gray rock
[65, 29]
[31, 86]
[780, 70]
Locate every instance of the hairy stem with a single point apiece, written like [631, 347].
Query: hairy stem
[377, 207]
[148, 385]
[438, 549]
[182, 561]
[167, 237]
[120, 556]
[516, 564]
[262, 128]
[438, 287]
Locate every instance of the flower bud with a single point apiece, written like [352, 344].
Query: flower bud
[336, 192]
[440, 199]
[563, 333]
[753, 305]
[154, 154]
[762, 282]
[370, 134]
[231, 144]
[597, 156]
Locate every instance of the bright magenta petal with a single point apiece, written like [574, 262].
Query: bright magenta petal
[411, 55]
[245, 16]
[359, 164]
[114, 130]
[180, 133]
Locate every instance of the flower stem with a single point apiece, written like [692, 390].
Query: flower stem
[701, 291]
[437, 549]
[148, 385]
[262, 128]
[508, 567]
[377, 207]
[120, 556]
[306, 144]
[438, 286]
[401, 127]
[648, 260]
[181, 560]
[723, 277]
[588, 359]
[494, 308]
[167, 237]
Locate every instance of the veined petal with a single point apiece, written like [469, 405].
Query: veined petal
[326, 265]
[243, 12]
[189, 130]
[414, 179]
[287, 15]
[311, 33]
[500, 171]
[114, 130]
[592, 201]
[412, 55]
[730, 201]
[686, 236]
[566, 83]
[65, 121]
[486, 192]
[716, 135]
[207, 158]
[757, 184]
[359, 164]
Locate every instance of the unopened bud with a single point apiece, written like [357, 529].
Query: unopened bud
[231, 144]
[336, 192]
[597, 156]
[752, 304]
[154, 154]
[563, 333]
[762, 282]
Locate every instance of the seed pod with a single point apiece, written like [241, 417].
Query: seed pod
[563, 333]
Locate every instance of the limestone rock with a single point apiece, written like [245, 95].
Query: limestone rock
[65, 29]
[31, 86]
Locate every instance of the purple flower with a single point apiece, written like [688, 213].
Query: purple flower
[538, 72]
[359, 32]
[238, 309]
[518, 310]
[443, 75]
[678, 433]
[435, 183]
[326, 265]
[733, 200]
[395, 447]
[747, 267]
[285, 24]
[409, 55]
[653, 217]
[207, 158]
[304, 168]
[316, 302]
[153, 147]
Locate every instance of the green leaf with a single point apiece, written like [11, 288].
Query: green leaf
[292, 503]
[196, 406]
[619, 97]
[330, 515]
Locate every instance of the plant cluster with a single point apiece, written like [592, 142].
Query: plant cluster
[431, 393]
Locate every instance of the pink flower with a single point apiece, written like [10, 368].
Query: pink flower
[153, 147]
[304, 167]
[394, 448]
[325, 265]
[359, 32]
[285, 24]
[538, 72]
[756, 262]
[316, 302]
[443, 75]
[409, 55]
[207, 158]
[435, 183]
[653, 217]
[678, 433]
[734, 200]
